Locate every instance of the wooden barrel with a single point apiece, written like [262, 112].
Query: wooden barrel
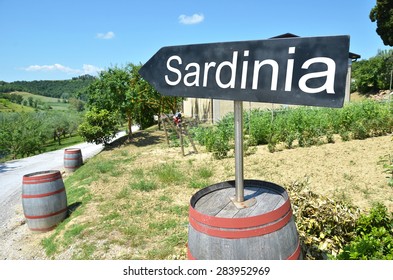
[72, 159]
[218, 230]
[44, 200]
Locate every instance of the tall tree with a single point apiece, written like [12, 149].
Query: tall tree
[151, 99]
[382, 13]
[112, 92]
[373, 74]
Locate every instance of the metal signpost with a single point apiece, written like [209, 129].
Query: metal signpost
[298, 71]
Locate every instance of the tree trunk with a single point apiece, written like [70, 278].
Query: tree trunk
[129, 119]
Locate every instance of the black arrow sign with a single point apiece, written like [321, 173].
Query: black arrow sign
[299, 71]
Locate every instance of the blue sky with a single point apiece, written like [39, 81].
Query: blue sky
[61, 39]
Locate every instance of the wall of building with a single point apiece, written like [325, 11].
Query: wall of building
[212, 110]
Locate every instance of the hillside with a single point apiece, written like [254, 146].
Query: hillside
[32, 101]
[8, 106]
[54, 103]
[131, 201]
[57, 89]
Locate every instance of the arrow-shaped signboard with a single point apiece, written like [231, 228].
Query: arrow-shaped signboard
[300, 71]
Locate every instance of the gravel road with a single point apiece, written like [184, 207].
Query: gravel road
[11, 176]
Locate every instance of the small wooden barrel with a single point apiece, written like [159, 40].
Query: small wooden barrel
[72, 159]
[44, 200]
[220, 231]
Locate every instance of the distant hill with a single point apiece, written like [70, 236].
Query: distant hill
[58, 89]
[8, 106]
[28, 102]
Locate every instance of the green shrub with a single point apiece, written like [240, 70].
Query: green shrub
[374, 237]
[387, 162]
[259, 126]
[199, 134]
[303, 125]
[217, 142]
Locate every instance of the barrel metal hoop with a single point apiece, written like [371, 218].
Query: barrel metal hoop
[47, 215]
[239, 233]
[296, 254]
[189, 255]
[43, 229]
[43, 194]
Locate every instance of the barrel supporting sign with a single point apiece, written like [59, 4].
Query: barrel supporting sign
[219, 230]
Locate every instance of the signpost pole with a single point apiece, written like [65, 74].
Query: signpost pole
[239, 177]
[239, 200]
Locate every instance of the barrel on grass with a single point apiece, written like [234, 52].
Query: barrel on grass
[72, 159]
[219, 230]
[44, 200]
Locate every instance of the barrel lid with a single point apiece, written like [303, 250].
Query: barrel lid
[215, 200]
[41, 177]
[42, 173]
[72, 150]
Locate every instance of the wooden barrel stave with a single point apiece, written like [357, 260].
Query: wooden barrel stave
[275, 246]
[266, 231]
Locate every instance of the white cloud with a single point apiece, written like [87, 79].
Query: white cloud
[54, 67]
[106, 36]
[86, 69]
[194, 19]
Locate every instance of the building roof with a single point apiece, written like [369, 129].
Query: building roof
[352, 55]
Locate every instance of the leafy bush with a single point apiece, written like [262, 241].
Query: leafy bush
[259, 126]
[330, 229]
[387, 162]
[217, 142]
[25, 134]
[99, 126]
[303, 126]
[374, 237]
[373, 74]
[216, 138]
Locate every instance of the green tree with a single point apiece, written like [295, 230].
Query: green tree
[112, 92]
[99, 126]
[373, 74]
[16, 98]
[123, 91]
[58, 123]
[152, 102]
[77, 104]
[382, 13]
[31, 101]
[25, 136]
